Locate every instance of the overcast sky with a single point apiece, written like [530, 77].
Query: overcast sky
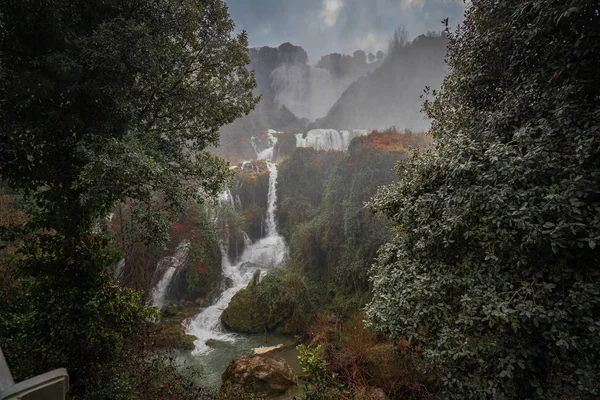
[327, 26]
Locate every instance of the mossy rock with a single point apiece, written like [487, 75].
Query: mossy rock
[170, 332]
[171, 310]
[211, 342]
[264, 305]
[173, 336]
[241, 315]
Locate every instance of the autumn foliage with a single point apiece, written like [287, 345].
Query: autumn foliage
[394, 141]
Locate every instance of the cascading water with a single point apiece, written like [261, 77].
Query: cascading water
[247, 240]
[170, 265]
[227, 197]
[272, 200]
[328, 139]
[264, 254]
[160, 290]
[307, 91]
[119, 268]
[268, 153]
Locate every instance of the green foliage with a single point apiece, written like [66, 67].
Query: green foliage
[494, 268]
[323, 384]
[105, 100]
[301, 185]
[232, 224]
[312, 360]
[204, 260]
[338, 242]
[51, 324]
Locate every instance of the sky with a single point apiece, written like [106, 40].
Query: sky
[339, 26]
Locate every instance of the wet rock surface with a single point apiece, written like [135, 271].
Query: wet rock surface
[259, 375]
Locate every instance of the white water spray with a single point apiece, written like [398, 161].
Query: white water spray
[329, 139]
[268, 153]
[308, 92]
[225, 197]
[170, 265]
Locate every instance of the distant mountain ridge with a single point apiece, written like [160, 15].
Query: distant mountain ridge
[390, 96]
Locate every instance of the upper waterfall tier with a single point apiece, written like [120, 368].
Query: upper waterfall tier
[328, 139]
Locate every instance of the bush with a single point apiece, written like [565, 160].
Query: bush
[495, 252]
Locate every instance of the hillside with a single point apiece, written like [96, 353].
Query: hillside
[390, 96]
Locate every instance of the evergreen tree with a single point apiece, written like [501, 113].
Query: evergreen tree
[494, 267]
[102, 100]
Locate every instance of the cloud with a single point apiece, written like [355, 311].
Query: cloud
[371, 42]
[413, 3]
[341, 26]
[331, 11]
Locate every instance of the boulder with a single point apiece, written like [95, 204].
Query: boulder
[243, 314]
[258, 375]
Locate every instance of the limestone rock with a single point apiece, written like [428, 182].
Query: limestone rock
[258, 375]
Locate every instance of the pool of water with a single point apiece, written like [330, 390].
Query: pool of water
[212, 363]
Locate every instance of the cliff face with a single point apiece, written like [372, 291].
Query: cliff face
[235, 138]
[293, 93]
[390, 96]
[340, 92]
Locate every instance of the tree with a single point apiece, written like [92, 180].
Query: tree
[360, 56]
[101, 101]
[493, 270]
[399, 40]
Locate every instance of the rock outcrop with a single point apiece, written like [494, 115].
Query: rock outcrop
[259, 375]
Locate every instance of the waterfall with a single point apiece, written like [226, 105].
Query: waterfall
[119, 268]
[328, 139]
[226, 197]
[268, 153]
[272, 199]
[247, 240]
[264, 254]
[307, 91]
[170, 265]
[160, 290]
